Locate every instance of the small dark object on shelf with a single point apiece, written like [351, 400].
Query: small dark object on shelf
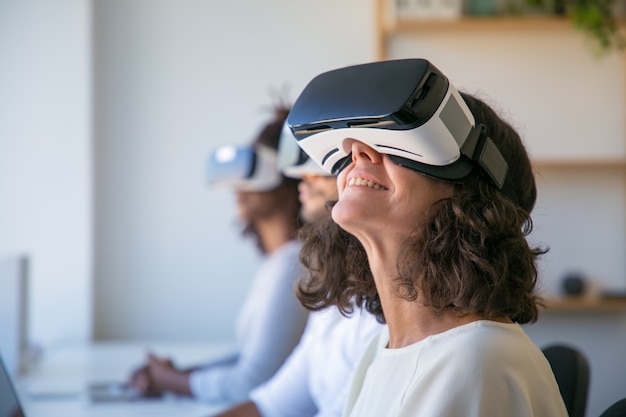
[574, 284]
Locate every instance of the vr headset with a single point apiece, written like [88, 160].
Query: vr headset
[293, 162]
[244, 168]
[406, 109]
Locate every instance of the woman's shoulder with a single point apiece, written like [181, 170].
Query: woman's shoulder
[494, 341]
[285, 257]
[289, 249]
[481, 331]
[279, 270]
[487, 348]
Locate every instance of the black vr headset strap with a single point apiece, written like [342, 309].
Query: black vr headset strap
[480, 148]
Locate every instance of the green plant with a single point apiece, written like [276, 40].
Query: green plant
[596, 18]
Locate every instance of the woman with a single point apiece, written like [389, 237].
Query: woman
[445, 262]
[271, 320]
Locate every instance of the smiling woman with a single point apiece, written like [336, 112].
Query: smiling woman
[375, 187]
[436, 250]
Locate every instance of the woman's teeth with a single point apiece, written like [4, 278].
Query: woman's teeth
[365, 182]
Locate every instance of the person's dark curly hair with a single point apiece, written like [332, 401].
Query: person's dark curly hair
[287, 192]
[471, 257]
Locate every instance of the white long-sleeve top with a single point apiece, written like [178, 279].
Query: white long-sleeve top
[269, 326]
[314, 379]
[481, 369]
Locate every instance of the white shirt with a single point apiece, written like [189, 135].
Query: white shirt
[314, 380]
[483, 368]
[269, 326]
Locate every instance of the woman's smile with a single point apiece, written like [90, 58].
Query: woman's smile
[364, 182]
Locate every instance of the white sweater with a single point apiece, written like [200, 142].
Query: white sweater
[483, 368]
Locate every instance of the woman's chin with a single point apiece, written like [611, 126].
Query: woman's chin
[348, 217]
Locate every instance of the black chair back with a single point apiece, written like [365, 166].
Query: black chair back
[617, 409]
[571, 371]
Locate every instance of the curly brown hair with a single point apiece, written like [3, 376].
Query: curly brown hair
[471, 257]
[287, 191]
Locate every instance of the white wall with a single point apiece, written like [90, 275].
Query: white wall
[45, 160]
[174, 79]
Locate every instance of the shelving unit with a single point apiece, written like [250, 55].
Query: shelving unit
[388, 27]
[584, 164]
[481, 23]
[585, 305]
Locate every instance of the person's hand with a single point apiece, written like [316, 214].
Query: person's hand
[153, 377]
[162, 374]
[159, 375]
[139, 378]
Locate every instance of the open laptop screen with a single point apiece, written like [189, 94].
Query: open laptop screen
[9, 403]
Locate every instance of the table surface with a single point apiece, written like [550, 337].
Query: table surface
[56, 385]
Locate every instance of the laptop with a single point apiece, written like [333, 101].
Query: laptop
[112, 392]
[9, 402]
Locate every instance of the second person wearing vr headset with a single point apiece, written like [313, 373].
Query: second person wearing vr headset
[429, 234]
[271, 320]
[312, 381]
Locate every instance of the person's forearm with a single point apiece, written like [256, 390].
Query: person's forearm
[175, 381]
[247, 409]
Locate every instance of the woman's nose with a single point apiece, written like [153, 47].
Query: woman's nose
[361, 150]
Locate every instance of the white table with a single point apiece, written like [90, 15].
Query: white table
[56, 385]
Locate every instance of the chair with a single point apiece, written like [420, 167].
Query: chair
[617, 409]
[571, 371]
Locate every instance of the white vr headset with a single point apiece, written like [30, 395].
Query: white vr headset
[244, 168]
[406, 109]
[293, 162]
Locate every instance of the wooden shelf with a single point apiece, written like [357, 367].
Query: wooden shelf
[585, 304]
[608, 163]
[389, 25]
[470, 23]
